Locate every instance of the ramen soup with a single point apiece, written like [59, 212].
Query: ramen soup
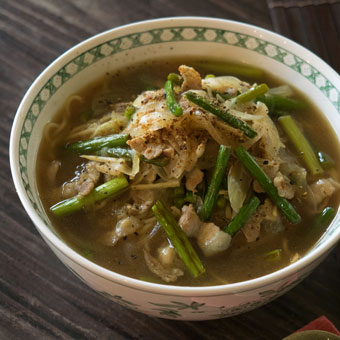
[189, 172]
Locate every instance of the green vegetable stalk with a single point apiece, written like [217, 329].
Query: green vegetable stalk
[109, 189]
[277, 103]
[178, 239]
[97, 143]
[171, 102]
[175, 78]
[273, 255]
[231, 69]
[325, 160]
[252, 93]
[324, 218]
[301, 144]
[267, 185]
[129, 111]
[321, 222]
[222, 114]
[242, 216]
[215, 183]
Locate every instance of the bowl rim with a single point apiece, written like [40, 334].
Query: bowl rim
[160, 289]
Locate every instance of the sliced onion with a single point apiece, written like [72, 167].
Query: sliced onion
[283, 91]
[244, 115]
[135, 164]
[239, 181]
[115, 165]
[221, 84]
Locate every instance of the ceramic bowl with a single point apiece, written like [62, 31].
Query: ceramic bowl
[180, 36]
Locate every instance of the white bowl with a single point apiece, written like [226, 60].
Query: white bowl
[181, 36]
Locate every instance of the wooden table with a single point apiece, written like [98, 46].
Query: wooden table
[39, 297]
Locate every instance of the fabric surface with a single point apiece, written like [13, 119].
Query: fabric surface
[321, 324]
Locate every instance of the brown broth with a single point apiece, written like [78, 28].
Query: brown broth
[242, 261]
